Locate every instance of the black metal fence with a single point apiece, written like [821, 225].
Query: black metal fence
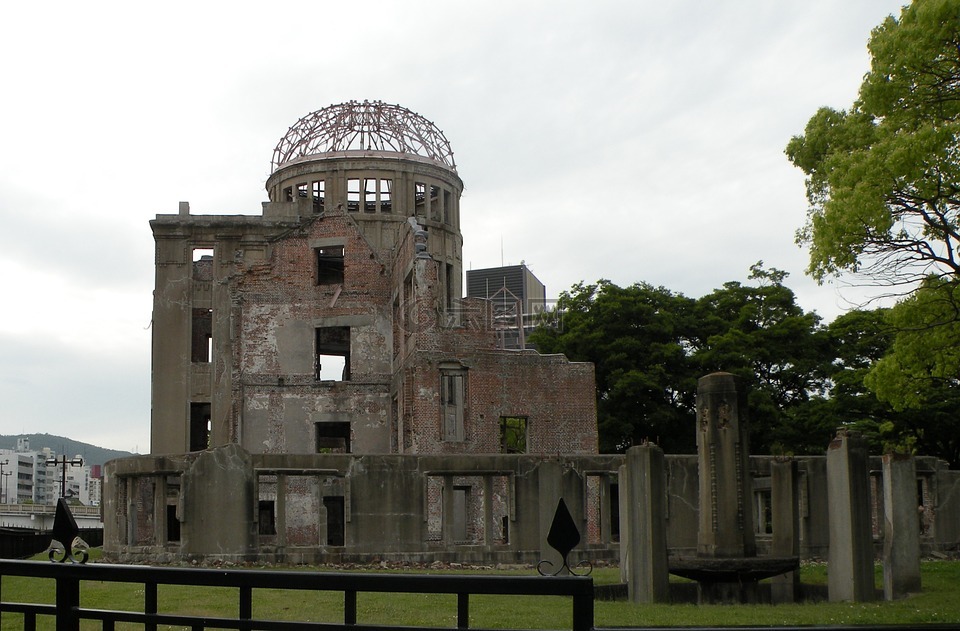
[68, 612]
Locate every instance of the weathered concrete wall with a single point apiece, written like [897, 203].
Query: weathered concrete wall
[393, 506]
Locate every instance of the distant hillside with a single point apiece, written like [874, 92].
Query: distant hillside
[62, 445]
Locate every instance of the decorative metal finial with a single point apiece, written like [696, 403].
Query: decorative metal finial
[66, 544]
[563, 537]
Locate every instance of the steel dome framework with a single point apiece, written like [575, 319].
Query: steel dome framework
[363, 126]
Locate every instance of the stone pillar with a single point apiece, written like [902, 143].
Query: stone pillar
[785, 520]
[218, 505]
[850, 574]
[643, 533]
[901, 527]
[550, 481]
[726, 489]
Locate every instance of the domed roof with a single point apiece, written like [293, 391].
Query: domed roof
[366, 126]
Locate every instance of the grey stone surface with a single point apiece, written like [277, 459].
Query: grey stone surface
[901, 527]
[850, 574]
[643, 533]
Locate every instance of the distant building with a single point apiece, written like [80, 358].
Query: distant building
[517, 297]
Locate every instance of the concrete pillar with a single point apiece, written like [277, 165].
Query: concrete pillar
[901, 527]
[448, 511]
[643, 533]
[218, 505]
[850, 575]
[550, 480]
[785, 518]
[726, 489]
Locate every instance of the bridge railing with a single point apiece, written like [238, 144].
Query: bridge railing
[68, 611]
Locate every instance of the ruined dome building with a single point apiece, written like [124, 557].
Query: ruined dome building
[334, 320]
[322, 392]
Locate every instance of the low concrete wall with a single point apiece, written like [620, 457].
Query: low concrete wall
[488, 509]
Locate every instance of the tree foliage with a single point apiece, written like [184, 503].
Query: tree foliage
[883, 178]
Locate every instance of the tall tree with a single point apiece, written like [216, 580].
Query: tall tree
[760, 333]
[922, 372]
[883, 178]
[639, 338]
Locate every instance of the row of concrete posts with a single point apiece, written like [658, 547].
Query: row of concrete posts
[644, 560]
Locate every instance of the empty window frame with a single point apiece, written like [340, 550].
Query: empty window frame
[353, 194]
[335, 519]
[267, 517]
[318, 196]
[330, 265]
[333, 437]
[385, 193]
[202, 336]
[303, 190]
[369, 195]
[199, 426]
[202, 263]
[452, 397]
[513, 434]
[288, 194]
[447, 208]
[420, 200]
[333, 353]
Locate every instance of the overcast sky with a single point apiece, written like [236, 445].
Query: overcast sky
[633, 141]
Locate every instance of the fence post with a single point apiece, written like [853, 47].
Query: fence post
[68, 603]
[463, 611]
[583, 610]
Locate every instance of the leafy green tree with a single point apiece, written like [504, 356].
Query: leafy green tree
[922, 372]
[640, 339]
[883, 178]
[760, 333]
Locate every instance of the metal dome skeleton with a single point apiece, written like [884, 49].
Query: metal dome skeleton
[366, 126]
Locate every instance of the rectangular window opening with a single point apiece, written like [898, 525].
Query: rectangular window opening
[335, 519]
[386, 196]
[330, 265]
[513, 434]
[203, 263]
[302, 190]
[333, 437]
[447, 207]
[369, 195]
[288, 194]
[452, 397]
[173, 523]
[199, 426]
[353, 194]
[420, 200]
[267, 517]
[202, 336]
[318, 196]
[333, 353]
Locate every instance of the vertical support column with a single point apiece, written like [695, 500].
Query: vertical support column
[550, 480]
[606, 526]
[160, 510]
[850, 576]
[901, 527]
[643, 542]
[280, 510]
[488, 525]
[131, 483]
[785, 495]
[448, 516]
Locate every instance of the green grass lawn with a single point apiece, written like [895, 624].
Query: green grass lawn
[939, 601]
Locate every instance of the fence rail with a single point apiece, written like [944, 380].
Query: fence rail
[68, 612]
